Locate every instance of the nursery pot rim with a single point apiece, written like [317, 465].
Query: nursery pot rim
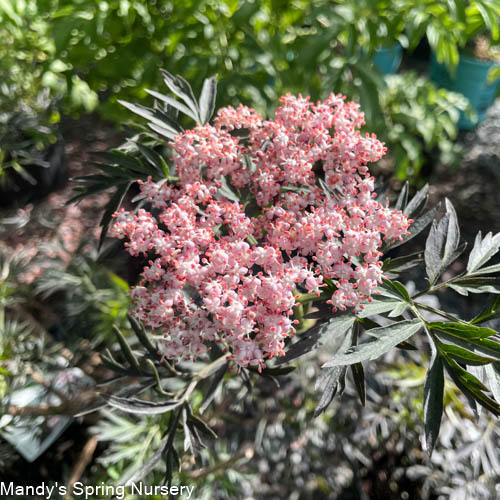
[390, 47]
[468, 59]
[476, 61]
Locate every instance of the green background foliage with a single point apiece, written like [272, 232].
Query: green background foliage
[90, 53]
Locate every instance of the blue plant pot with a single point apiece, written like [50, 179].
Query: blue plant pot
[388, 59]
[471, 80]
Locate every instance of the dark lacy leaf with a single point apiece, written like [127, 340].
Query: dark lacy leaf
[332, 380]
[358, 374]
[329, 381]
[139, 406]
[417, 203]
[402, 198]
[433, 400]
[309, 340]
[476, 285]
[443, 244]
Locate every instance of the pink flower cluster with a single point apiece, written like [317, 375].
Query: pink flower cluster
[230, 271]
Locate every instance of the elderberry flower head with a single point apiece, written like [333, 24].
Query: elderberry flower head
[229, 271]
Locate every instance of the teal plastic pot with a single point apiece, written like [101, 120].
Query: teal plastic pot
[471, 80]
[388, 59]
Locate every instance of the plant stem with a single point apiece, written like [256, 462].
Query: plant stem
[417, 314]
[311, 297]
[205, 372]
[434, 288]
[438, 312]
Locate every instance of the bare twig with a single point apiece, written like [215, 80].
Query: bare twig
[70, 407]
[82, 463]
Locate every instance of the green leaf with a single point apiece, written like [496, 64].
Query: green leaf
[358, 374]
[207, 99]
[113, 173]
[149, 465]
[125, 392]
[395, 289]
[495, 268]
[468, 378]
[452, 236]
[154, 159]
[434, 248]
[489, 18]
[143, 336]
[433, 401]
[192, 442]
[463, 355]
[471, 386]
[202, 425]
[386, 338]
[490, 311]
[485, 346]
[85, 191]
[483, 251]
[406, 346]
[464, 331]
[7, 7]
[172, 464]
[109, 362]
[97, 179]
[274, 372]
[476, 289]
[249, 164]
[212, 388]
[367, 323]
[357, 369]
[127, 352]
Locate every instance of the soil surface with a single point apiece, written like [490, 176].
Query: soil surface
[474, 188]
[49, 222]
